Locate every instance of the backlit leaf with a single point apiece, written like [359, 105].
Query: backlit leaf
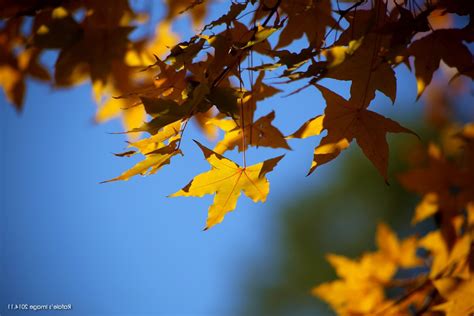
[226, 180]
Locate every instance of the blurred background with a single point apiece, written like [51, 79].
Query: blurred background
[124, 248]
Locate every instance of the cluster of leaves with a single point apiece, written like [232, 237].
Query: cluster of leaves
[427, 275]
[92, 40]
[158, 85]
[201, 78]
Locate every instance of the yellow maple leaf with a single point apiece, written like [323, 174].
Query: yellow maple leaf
[459, 295]
[259, 133]
[164, 39]
[227, 180]
[426, 208]
[360, 289]
[402, 253]
[361, 284]
[448, 262]
[434, 242]
[349, 298]
[312, 127]
[156, 152]
[126, 80]
[153, 162]
[169, 132]
[14, 70]
[12, 82]
[371, 266]
[201, 119]
[133, 115]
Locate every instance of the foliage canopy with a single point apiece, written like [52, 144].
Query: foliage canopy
[157, 85]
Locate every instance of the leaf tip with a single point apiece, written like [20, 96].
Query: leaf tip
[107, 181]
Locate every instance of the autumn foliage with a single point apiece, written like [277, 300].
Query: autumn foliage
[157, 85]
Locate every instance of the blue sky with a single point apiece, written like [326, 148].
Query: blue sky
[120, 246]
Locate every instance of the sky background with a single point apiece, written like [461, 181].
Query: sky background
[123, 248]
[120, 246]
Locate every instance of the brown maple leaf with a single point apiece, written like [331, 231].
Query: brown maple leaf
[345, 121]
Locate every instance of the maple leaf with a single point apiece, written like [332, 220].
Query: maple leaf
[13, 85]
[153, 162]
[438, 176]
[449, 188]
[92, 53]
[93, 45]
[312, 127]
[17, 65]
[234, 10]
[183, 53]
[454, 262]
[132, 114]
[446, 45]
[301, 21]
[360, 289]
[236, 103]
[156, 152]
[260, 91]
[401, 253]
[169, 132]
[15, 9]
[365, 67]
[129, 109]
[226, 100]
[196, 8]
[358, 55]
[166, 111]
[259, 133]
[458, 293]
[227, 180]
[168, 82]
[345, 121]
[225, 44]
[261, 34]
[367, 73]
[434, 242]
[428, 206]
[13, 75]
[55, 29]
[202, 119]
[128, 83]
[461, 7]
[403, 29]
